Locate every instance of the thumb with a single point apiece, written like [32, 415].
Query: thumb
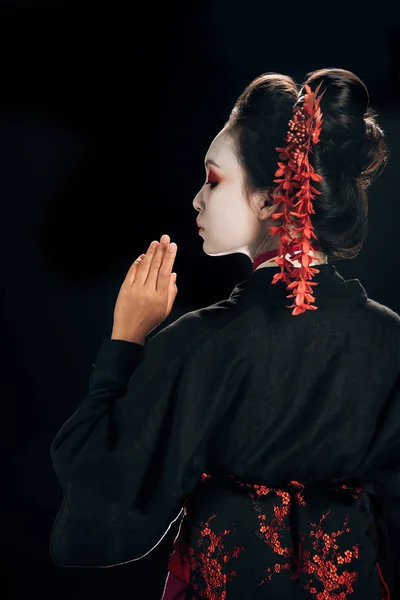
[172, 285]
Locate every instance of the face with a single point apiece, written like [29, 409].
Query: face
[231, 223]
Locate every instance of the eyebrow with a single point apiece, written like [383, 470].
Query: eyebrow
[210, 161]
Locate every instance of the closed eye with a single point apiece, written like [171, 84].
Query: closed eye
[212, 184]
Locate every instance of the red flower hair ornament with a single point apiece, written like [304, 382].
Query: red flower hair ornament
[295, 174]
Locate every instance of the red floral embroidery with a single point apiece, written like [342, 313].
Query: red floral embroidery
[324, 565]
[326, 581]
[211, 561]
[203, 563]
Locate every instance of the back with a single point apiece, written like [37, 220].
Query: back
[300, 460]
[275, 439]
[304, 388]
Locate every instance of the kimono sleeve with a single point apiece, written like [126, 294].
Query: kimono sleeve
[130, 454]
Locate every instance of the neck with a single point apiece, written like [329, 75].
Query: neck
[268, 259]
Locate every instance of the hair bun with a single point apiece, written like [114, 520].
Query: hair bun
[352, 143]
[350, 154]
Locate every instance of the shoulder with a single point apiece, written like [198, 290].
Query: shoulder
[192, 329]
[382, 313]
[386, 322]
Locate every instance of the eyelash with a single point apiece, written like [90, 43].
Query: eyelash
[212, 184]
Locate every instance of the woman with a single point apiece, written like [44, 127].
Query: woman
[277, 432]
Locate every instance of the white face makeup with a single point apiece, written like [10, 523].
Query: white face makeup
[230, 223]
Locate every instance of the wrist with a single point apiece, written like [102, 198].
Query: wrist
[134, 339]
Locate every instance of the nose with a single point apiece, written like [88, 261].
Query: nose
[196, 199]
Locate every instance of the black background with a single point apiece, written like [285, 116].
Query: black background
[106, 113]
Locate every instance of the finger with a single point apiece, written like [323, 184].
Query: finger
[165, 271]
[134, 265]
[131, 275]
[146, 262]
[157, 261]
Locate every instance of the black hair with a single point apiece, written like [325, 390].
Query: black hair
[351, 153]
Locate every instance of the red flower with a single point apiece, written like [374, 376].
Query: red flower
[294, 184]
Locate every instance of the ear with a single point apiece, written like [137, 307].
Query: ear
[267, 207]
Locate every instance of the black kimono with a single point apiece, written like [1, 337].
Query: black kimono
[274, 438]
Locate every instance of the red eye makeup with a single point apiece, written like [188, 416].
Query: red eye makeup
[212, 176]
[213, 179]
